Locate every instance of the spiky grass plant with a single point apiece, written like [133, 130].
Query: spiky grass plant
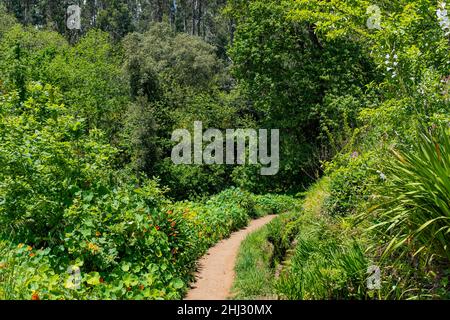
[416, 215]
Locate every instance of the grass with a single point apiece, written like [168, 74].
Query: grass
[330, 254]
[324, 266]
[316, 196]
[325, 261]
[254, 276]
[328, 261]
[416, 212]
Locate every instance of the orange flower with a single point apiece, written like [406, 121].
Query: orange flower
[2, 265]
[93, 247]
[32, 255]
[29, 248]
[98, 234]
[141, 287]
[170, 212]
[173, 224]
[35, 296]
[157, 228]
[101, 280]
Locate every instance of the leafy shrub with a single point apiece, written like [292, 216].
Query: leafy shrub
[46, 159]
[26, 273]
[351, 178]
[131, 244]
[274, 204]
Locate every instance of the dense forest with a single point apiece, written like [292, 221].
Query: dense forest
[93, 207]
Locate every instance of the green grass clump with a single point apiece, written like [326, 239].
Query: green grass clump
[416, 212]
[328, 261]
[324, 268]
[254, 276]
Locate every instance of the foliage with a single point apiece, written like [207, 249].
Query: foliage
[415, 212]
[89, 74]
[59, 194]
[353, 176]
[254, 276]
[86, 116]
[46, 160]
[7, 21]
[26, 273]
[91, 78]
[324, 269]
[298, 83]
[327, 259]
[175, 79]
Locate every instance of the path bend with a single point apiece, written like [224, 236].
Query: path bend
[215, 275]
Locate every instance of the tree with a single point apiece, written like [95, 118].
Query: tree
[175, 79]
[290, 75]
[196, 17]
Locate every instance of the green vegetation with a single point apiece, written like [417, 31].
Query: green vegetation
[87, 182]
[261, 255]
[147, 252]
[416, 209]
[328, 261]
[253, 272]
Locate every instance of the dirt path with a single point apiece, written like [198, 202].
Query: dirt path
[216, 269]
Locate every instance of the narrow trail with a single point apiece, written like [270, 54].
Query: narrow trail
[215, 276]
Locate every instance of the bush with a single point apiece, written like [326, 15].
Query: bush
[46, 159]
[274, 204]
[129, 244]
[352, 176]
[26, 273]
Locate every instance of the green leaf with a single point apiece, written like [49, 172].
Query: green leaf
[93, 278]
[178, 283]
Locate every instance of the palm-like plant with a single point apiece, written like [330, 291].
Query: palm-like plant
[417, 213]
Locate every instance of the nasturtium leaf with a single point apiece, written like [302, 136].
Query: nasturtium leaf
[178, 283]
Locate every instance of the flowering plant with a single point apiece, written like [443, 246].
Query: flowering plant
[442, 15]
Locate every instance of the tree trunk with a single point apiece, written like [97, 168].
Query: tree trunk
[199, 18]
[194, 15]
[159, 11]
[232, 30]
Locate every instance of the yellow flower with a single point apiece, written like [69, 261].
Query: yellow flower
[20, 246]
[93, 247]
